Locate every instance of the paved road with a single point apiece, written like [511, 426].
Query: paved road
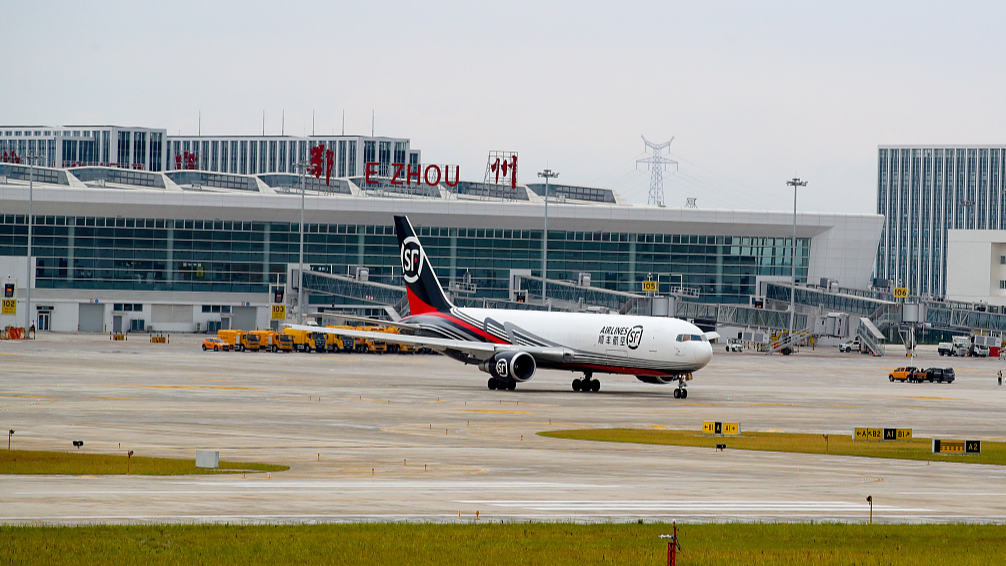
[422, 438]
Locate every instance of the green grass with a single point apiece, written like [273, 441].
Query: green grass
[506, 544]
[838, 444]
[84, 464]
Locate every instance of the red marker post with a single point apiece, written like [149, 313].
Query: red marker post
[673, 546]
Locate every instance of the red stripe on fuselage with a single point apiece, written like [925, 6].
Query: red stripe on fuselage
[618, 369]
[476, 330]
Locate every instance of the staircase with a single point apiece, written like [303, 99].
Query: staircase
[870, 336]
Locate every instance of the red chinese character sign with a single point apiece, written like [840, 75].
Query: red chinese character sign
[185, 161]
[501, 168]
[317, 161]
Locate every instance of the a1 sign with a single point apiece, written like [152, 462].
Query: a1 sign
[650, 286]
[901, 292]
[9, 306]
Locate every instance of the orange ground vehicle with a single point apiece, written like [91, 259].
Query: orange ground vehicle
[215, 344]
[904, 374]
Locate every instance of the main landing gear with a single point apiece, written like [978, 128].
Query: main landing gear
[681, 392]
[586, 384]
[502, 385]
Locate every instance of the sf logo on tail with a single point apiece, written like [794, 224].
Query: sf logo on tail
[413, 258]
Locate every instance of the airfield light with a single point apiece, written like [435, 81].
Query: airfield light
[129, 457]
[869, 499]
[9, 434]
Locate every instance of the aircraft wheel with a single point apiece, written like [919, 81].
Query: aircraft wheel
[684, 393]
[576, 385]
[511, 385]
[595, 385]
[492, 383]
[677, 393]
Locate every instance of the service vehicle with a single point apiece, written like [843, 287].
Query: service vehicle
[935, 375]
[962, 345]
[231, 337]
[850, 346]
[945, 348]
[734, 345]
[215, 344]
[250, 341]
[372, 346]
[307, 339]
[274, 341]
[904, 374]
[979, 351]
[338, 343]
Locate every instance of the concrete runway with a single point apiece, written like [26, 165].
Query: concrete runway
[421, 438]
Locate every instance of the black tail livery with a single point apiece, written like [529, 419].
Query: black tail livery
[425, 293]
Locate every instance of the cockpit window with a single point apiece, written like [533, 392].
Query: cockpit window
[692, 338]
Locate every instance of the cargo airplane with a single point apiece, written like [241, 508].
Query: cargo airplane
[510, 345]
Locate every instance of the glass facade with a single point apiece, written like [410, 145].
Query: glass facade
[925, 191]
[222, 256]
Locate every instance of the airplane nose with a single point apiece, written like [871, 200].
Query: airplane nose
[704, 353]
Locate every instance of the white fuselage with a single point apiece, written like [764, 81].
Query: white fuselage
[612, 343]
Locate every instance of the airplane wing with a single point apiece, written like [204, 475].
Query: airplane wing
[478, 350]
[371, 321]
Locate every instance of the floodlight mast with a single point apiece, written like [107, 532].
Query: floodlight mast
[657, 162]
[547, 174]
[795, 183]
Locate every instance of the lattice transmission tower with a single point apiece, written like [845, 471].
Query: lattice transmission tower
[657, 162]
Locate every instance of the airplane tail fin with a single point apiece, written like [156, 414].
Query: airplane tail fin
[425, 293]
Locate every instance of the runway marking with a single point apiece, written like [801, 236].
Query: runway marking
[7, 354]
[928, 397]
[682, 507]
[221, 387]
[495, 411]
[659, 427]
[343, 359]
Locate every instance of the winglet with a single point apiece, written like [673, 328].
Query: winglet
[425, 293]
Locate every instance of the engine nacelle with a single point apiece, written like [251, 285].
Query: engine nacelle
[516, 365]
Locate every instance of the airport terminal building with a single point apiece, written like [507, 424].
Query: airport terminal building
[195, 250]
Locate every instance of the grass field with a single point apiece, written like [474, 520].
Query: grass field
[84, 464]
[510, 544]
[837, 444]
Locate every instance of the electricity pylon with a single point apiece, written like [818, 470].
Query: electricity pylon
[657, 162]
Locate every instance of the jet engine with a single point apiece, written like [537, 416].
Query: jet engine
[516, 365]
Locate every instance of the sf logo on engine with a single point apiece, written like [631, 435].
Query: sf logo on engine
[634, 337]
[413, 257]
[501, 368]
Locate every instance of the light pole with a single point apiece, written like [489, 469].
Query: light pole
[547, 174]
[31, 198]
[794, 182]
[302, 164]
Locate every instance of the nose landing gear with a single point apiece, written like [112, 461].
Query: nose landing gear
[681, 392]
[586, 384]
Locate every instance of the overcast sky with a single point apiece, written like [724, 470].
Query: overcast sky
[752, 92]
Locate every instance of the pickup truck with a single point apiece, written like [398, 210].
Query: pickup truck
[904, 374]
[850, 346]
